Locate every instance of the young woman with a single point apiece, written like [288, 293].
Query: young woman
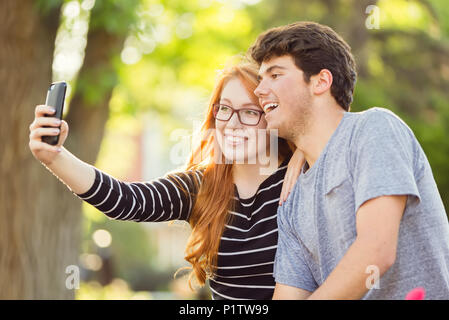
[226, 193]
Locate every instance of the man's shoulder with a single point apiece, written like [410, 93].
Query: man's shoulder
[366, 124]
[376, 115]
[378, 121]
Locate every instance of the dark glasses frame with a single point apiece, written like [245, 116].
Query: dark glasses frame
[216, 108]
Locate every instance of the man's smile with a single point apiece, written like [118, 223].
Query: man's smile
[269, 106]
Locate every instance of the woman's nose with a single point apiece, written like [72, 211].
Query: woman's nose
[234, 122]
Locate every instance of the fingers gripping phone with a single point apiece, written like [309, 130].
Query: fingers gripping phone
[55, 99]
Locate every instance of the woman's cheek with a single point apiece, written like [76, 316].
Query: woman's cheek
[252, 145]
[218, 143]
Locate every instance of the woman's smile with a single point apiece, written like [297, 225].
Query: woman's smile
[234, 140]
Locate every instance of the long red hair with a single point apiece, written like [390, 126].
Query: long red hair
[214, 199]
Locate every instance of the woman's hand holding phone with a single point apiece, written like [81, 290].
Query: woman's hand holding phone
[45, 124]
[47, 135]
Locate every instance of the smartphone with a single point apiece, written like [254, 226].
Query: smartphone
[55, 99]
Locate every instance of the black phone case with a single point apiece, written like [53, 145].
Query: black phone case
[55, 98]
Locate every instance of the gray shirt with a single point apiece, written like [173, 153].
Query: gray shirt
[370, 154]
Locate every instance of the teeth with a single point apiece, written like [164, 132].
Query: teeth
[234, 139]
[270, 106]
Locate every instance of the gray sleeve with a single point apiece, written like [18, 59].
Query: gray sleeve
[382, 158]
[290, 266]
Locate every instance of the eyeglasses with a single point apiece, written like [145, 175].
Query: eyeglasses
[248, 117]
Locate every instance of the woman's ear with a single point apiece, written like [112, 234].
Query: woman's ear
[322, 81]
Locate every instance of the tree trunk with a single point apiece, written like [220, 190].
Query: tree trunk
[39, 235]
[40, 218]
[87, 116]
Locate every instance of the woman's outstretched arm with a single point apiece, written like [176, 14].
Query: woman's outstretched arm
[163, 199]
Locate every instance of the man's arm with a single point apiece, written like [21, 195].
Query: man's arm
[285, 292]
[377, 224]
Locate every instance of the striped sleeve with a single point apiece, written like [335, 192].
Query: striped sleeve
[163, 199]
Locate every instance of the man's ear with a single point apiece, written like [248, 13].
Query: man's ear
[321, 82]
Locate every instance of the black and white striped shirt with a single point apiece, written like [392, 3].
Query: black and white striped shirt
[248, 243]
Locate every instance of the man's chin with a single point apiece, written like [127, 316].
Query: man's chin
[272, 125]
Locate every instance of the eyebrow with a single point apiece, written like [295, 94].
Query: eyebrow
[248, 104]
[270, 69]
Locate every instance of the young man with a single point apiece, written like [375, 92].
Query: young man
[365, 219]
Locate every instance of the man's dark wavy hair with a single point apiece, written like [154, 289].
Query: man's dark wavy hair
[313, 47]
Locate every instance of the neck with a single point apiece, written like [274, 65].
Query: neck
[248, 177]
[249, 171]
[323, 123]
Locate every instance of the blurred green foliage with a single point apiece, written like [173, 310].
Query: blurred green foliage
[45, 6]
[114, 16]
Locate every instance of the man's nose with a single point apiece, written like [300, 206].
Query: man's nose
[261, 90]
